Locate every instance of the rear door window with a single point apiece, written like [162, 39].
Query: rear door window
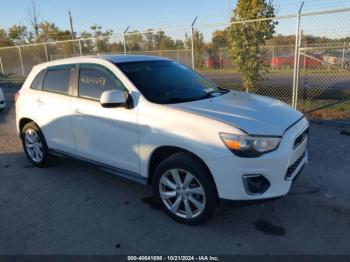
[57, 79]
[95, 79]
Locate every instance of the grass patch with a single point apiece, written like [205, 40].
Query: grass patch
[339, 111]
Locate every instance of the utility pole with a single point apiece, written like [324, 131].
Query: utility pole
[71, 29]
[34, 19]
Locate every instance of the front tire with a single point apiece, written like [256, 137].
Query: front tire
[183, 186]
[34, 145]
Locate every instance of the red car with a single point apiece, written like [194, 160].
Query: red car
[288, 62]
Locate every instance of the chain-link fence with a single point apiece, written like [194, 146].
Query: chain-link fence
[301, 59]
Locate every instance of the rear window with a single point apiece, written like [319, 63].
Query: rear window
[57, 80]
[38, 80]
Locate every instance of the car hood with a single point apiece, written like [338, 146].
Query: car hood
[256, 115]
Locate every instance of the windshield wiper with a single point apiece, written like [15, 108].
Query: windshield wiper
[180, 99]
[210, 94]
[190, 99]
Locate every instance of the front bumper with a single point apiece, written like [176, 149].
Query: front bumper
[279, 167]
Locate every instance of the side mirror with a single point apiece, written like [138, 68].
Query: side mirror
[113, 98]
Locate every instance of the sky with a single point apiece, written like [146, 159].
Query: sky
[139, 14]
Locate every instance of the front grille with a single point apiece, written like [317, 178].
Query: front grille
[293, 167]
[300, 139]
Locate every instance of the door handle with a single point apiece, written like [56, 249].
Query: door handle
[77, 112]
[39, 102]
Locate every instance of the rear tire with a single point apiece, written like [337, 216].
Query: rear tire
[183, 187]
[34, 145]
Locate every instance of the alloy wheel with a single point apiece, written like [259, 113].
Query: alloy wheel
[182, 193]
[34, 146]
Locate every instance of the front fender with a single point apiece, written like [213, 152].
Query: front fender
[160, 125]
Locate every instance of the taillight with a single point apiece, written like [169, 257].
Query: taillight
[16, 96]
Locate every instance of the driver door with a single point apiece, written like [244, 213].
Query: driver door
[104, 135]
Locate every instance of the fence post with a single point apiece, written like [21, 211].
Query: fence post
[343, 57]
[192, 41]
[296, 60]
[124, 42]
[46, 54]
[273, 56]
[20, 58]
[80, 49]
[220, 58]
[2, 67]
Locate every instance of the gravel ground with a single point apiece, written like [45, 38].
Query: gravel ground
[74, 208]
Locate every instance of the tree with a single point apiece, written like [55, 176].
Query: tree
[158, 37]
[149, 39]
[87, 45]
[198, 47]
[179, 44]
[102, 38]
[49, 32]
[167, 43]
[134, 41]
[220, 39]
[4, 39]
[246, 38]
[161, 41]
[18, 34]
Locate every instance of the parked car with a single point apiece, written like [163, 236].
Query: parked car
[337, 59]
[288, 62]
[212, 62]
[282, 61]
[2, 100]
[158, 122]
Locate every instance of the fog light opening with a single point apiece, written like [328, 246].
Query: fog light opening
[256, 184]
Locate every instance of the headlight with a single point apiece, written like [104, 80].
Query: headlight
[249, 146]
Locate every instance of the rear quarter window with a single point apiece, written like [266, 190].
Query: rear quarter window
[38, 80]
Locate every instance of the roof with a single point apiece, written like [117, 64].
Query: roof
[130, 58]
[111, 58]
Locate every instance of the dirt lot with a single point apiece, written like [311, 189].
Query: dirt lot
[74, 208]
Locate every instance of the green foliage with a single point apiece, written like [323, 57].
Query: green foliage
[160, 41]
[49, 32]
[100, 43]
[220, 39]
[102, 39]
[4, 38]
[134, 41]
[198, 47]
[245, 39]
[18, 34]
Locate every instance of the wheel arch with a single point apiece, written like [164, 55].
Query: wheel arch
[163, 152]
[22, 122]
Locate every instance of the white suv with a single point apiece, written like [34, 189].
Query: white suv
[154, 120]
[2, 100]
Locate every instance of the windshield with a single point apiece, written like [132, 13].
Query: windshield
[168, 82]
